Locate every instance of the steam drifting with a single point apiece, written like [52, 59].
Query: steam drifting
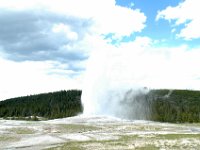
[116, 77]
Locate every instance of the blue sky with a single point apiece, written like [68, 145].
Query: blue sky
[50, 45]
[158, 29]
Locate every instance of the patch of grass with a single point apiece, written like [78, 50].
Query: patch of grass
[73, 145]
[91, 144]
[122, 143]
[107, 144]
[76, 128]
[177, 136]
[117, 143]
[147, 147]
[126, 138]
[21, 131]
[66, 147]
[4, 138]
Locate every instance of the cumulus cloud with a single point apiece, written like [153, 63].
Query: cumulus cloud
[35, 35]
[58, 30]
[186, 14]
[58, 35]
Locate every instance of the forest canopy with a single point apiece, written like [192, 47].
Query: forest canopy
[48, 105]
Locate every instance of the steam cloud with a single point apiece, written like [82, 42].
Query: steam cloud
[116, 77]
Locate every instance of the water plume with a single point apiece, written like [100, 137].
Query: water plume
[116, 77]
[112, 87]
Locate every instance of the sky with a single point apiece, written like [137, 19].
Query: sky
[46, 45]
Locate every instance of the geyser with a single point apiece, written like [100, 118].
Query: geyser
[116, 77]
[113, 85]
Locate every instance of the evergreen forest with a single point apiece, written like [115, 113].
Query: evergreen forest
[49, 105]
[176, 106]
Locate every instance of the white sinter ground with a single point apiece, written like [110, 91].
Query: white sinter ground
[97, 132]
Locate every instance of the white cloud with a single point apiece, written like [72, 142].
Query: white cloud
[59, 28]
[23, 78]
[107, 17]
[40, 35]
[187, 14]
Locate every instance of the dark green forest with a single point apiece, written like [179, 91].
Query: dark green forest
[175, 106]
[49, 105]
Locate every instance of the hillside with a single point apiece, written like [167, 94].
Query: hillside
[49, 105]
[174, 105]
[160, 105]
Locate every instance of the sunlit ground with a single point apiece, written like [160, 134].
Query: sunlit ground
[97, 133]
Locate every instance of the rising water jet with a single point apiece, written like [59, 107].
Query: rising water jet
[116, 77]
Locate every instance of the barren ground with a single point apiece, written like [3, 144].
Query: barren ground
[98, 132]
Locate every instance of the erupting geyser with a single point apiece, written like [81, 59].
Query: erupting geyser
[116, 77]
[113, 84]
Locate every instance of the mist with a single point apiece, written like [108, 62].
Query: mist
[118, 77]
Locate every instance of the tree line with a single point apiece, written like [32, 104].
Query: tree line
[160, 105]
[48, 105]
[175, 106]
